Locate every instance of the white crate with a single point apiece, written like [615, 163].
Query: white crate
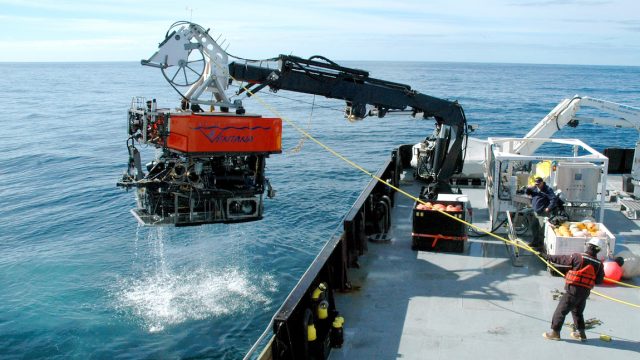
[565, 245]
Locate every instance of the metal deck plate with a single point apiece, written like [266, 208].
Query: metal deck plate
[630, 207]
[474, 305]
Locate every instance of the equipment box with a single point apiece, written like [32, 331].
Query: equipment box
[433, 230]
[558, 244]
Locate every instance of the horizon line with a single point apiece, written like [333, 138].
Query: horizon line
[378, 61]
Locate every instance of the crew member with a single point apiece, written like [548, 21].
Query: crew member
[586, 271]
[543, 202]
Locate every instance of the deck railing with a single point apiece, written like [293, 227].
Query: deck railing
[369, 215]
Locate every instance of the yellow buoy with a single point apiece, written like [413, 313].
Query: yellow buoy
[323, 309]
[318, 291]
[311, 332]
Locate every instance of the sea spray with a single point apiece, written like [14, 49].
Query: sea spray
[163, 293]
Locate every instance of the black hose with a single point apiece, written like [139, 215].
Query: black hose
[474, 233]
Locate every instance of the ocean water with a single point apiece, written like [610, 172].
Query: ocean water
[79, 279]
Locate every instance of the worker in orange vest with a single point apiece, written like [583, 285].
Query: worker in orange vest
[586, 271]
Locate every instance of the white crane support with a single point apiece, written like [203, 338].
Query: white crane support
[565, 113]
[189, 56]
[555, 120]
[627, 114]
[619, 123]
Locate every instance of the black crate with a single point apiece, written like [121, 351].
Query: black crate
[435, 223]
[435, 231]
[438, 243]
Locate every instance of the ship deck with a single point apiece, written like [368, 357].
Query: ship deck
[476, 304]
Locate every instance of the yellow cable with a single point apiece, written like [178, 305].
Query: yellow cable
[621, 283]
[358, 167]
[614, 299]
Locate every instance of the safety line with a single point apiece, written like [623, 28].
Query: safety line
[358, 167]
[621, 283]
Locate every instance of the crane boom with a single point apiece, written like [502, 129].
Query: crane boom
[441, 155]
[353, 85]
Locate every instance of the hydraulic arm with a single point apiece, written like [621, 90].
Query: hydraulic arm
[440, 154]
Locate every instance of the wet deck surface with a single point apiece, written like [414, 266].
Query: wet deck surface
[476, 304]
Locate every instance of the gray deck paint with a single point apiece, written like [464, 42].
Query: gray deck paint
[475, 305]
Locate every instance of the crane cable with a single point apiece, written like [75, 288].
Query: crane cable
[370, 174]
[298, 147]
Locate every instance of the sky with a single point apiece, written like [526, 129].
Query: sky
[595, 32]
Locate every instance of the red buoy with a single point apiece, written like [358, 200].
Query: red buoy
[612, 271]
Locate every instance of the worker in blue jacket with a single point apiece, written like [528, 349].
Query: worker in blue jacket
[543, 201]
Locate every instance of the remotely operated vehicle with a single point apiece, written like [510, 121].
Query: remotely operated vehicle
[211, 153]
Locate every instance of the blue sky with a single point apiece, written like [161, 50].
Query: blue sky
[529, 31]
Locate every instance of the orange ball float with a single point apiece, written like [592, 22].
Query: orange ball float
[612, 271]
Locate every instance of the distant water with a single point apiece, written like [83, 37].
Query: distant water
[79, 279]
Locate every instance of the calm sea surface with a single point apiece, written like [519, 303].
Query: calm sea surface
[79, 279]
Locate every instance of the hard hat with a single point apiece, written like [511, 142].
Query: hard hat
[596, 242]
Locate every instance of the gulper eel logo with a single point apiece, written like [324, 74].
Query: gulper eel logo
[218, 134]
